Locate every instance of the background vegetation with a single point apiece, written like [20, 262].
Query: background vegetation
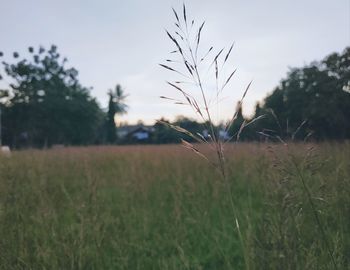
[243, 206]
[117, 208]
[316, 96]
[45, 105]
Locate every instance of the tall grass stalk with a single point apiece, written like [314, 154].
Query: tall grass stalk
[189, 65]
[157, 207]
[299, 174]
[313, 208]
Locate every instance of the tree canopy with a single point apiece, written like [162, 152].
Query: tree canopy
[312, 100]
[116, 105]
[45, 104]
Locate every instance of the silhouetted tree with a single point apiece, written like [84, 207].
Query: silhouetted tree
[116, 105]
[189, 124]
[46, 104]
[315, 94]
[163, 133]
[236, 125]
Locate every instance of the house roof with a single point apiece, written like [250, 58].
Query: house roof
[133, 128]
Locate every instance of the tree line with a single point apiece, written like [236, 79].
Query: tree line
[311, 103]
[45, 104]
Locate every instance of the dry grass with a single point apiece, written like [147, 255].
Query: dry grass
[160, 207]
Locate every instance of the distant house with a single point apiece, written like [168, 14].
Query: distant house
[222, 134]
[135, 132]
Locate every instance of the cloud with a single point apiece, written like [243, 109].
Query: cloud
[112, 42]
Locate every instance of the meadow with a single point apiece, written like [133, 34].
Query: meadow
[163, 207]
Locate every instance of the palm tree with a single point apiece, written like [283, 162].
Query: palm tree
[119, 100]
[116, 105]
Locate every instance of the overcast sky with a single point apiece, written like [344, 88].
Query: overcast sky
[114, 41]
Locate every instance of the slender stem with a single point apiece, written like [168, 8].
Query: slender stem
[190, 58]
[0, 128]
[314, 211]
[234, 211]
[199, 81]
[202, 92]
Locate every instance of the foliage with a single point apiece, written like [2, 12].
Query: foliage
[116, 105]
[160, 207]
[314, 94]
[163, 133]
[46, 104]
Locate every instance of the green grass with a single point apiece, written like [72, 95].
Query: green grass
[162, 207]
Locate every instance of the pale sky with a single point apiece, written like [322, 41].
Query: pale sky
[114, 41]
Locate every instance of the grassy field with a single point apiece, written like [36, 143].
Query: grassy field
[163, 207]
